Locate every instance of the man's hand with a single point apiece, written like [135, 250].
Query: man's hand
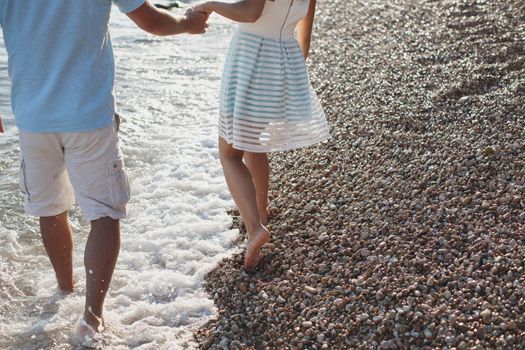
[196, 22]
[1, 126]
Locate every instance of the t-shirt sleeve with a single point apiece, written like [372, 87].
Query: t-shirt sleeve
[126, 6]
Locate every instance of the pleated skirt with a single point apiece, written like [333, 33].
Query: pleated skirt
[266, 100]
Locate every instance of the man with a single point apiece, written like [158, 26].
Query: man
[61, 70]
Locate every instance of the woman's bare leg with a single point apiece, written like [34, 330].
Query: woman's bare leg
[242, 189]
[259, 168]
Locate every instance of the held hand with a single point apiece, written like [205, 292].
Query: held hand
[203, 7]
[196, 22]
[193, 11]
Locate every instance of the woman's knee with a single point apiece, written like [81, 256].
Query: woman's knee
[256, 157]
[227, 152]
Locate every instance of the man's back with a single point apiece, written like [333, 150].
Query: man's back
[60, 63]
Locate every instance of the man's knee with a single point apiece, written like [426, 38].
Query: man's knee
[105, 220]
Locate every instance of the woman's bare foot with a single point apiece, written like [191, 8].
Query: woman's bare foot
[267, 214]
[264, 218]
[253, 250]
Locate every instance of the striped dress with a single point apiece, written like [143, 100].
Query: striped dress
[266, 101]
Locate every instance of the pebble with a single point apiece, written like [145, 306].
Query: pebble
[486, 315]
[364, 252]
[362, 317]
[431, 281]
[338, 302]
[310, 289]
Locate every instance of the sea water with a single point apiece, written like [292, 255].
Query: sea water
[177, 227]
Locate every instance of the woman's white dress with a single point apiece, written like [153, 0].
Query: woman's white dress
[266, 101]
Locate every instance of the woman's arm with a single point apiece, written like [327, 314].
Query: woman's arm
[160, 22]
[240, 11]
[304, 29]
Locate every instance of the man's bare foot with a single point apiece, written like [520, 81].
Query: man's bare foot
[66, 289]
[87, 327]
[84, 333]
[93, 320]
[253, 250]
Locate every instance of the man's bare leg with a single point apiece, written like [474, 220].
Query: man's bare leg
[259, 168]
[100, 257]
[56, 235]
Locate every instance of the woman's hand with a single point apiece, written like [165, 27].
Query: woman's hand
[204, 7]
[196, 21]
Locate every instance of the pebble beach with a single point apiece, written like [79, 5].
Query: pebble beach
[405, 230]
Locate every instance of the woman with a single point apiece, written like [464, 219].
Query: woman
[266, 101]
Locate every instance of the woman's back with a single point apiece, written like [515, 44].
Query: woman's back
[278, 19]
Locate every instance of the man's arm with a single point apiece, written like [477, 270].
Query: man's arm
[159, 22]
[304, 30]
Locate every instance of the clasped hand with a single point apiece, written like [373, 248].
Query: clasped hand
[202, 8]
[196, 21]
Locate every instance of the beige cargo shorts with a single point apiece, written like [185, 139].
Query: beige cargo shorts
[56, 168]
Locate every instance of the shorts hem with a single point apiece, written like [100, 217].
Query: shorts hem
[114, 215]
[45, 212]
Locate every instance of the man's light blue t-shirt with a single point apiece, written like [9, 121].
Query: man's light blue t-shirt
[60, 62]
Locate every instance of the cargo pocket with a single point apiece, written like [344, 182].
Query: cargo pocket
[118, 183]
[22, 179]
